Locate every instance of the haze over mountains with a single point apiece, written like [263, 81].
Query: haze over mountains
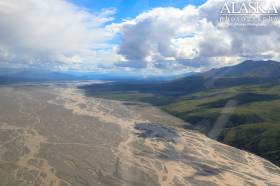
[246, 73]
[10, 75]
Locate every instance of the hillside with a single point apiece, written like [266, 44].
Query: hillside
[237, 105]
[244, 117]
[249, 69]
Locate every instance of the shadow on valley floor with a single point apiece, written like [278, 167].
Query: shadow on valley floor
[156, 131]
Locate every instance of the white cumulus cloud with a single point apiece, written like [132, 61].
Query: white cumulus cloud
[192, 37]
[57, 34]
[53, 34]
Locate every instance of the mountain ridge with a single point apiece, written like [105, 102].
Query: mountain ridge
[248, 68]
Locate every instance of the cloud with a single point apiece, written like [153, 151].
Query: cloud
[132, 64]
[54, 34]
[151, 34]
[192, 37]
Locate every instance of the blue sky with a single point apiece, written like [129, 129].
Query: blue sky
[132, 8]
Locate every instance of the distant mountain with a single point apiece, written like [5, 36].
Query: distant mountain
[247, 69]
[127, 76]
[43, 75]
[29, 75]
[246, 73]
[34, 75]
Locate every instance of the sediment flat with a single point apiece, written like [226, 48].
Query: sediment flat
[57, 136]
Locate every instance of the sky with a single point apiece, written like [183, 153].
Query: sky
[131, 8]
[145, 36]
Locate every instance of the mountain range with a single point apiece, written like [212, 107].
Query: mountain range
[10, 75]
[246, 73]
